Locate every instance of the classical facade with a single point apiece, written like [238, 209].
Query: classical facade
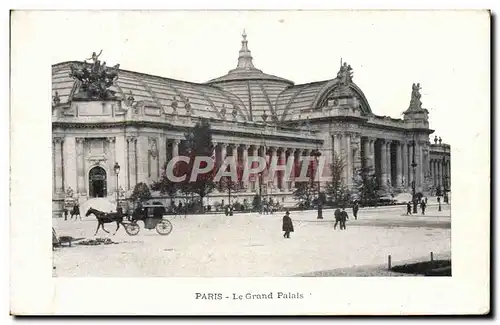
[103, 115]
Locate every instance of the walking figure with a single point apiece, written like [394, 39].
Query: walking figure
[76, 212]
[337, 218]
[287, 225]
[422, 206]
[439, 203]
[408, 209]
[355, 210]
[343, 218]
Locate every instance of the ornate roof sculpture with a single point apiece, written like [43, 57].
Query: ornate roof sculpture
[95, 79]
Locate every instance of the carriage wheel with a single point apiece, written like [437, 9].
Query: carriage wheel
[132, 229]
[164, 227]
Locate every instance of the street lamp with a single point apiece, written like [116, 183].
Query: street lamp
[316, 154]
[414, 170]
[117, 172]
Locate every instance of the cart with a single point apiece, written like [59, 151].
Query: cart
[153, 217]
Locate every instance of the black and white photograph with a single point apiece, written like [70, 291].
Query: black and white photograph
[286, 145]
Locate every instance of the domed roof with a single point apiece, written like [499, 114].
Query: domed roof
[245, 70]
[256, 89]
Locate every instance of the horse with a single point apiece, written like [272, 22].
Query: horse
[103, 217]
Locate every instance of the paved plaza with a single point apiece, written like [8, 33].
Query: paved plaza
[250, 244]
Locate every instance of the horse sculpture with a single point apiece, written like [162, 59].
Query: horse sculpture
[103, 217]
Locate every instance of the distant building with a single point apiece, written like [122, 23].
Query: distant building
[102, 115]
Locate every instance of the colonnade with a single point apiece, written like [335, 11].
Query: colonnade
[390, 160]
[440, 171]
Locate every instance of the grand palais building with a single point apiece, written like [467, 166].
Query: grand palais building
[139, 121]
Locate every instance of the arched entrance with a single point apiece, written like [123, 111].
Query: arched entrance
[97, 182]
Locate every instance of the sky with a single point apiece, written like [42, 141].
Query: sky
[447, 52]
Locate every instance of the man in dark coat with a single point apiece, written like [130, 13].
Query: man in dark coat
[408, 209]
[343, 218]
[337, 218]
[355, 209]
[287, 225]
[422, 206]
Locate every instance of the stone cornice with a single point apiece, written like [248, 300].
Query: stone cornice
[163, 125]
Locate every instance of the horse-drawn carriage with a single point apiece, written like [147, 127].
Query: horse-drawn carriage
[153, 216]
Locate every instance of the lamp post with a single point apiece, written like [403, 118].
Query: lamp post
[316, 153]
[414, 172]
[117, 172]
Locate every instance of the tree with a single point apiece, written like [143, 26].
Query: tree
[365, 185]
[336, 188]
[199, 144]
[141, 192]
[304, 193]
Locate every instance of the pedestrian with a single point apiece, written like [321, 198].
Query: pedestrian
[422, 206]
[337, 214]
[287, 225]
[439, 203]
[408, 208]
[355, 209]
[343, 218]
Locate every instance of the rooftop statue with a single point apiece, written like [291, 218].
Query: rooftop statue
[345, 74]
[95, 79]
[415, 103]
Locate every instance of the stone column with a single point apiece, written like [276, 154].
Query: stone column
[389, 162]
[383, 163]
[256, 183]
[349, 159]
[244, 149]
[110, 153]
[399, 166]
[449, 174]
[440, 173]
[223, 152]
[372, 154]
[421, 162]
[418, 175]
[274, 156]
[80, 169]
[296, 158]
[366, 151]
[69, 163]
[410, 162]
[356, 153]
[142, 159]
[281, 174]
[162, 153]
[57, 143]
[405, 164]
[435, 172]
[132, 162]
[337, 144]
